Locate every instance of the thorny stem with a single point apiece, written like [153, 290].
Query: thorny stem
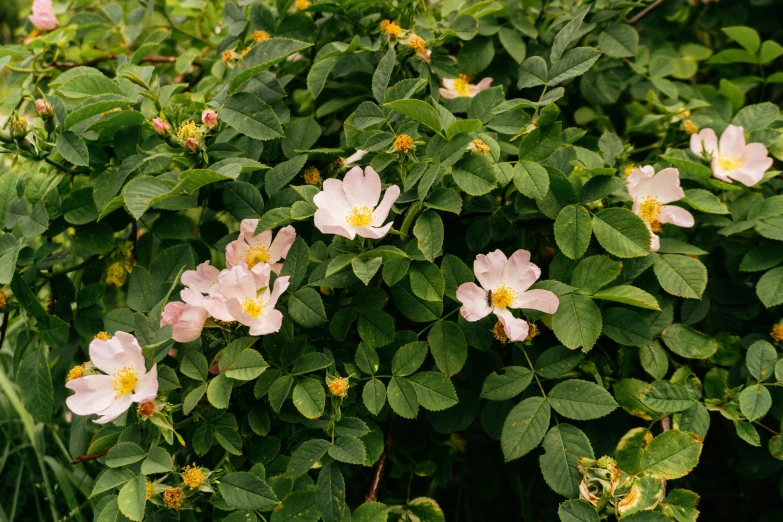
[91, 456]
[644, 11]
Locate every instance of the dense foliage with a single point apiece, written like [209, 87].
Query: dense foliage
[370, 260]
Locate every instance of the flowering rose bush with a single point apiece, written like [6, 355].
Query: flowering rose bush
[372, 260]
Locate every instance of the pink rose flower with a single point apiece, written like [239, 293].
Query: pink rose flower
[209, 118]
[504, 285]
[189, 315]
[245, 296]
[192, 144]
[126, 379]
[249, 250]
[42, 15]
[651, 192]
[162, 127]
[732, 159]
[461, 87]
[350, 207]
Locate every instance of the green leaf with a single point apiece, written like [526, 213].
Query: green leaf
[531, 179]
[111, 478]
[761, 359]
[511, 383]
[417, 110]
[243, 490]
[557, 361]
[307, 455]
[319, 72]
[374, 395]
[448, 347]
[73, 148]
[299, 506]
[330, 493]
[564, 445]
[756, 117]
[409, 358]
[705, 201]
[573, 230]
[621, 232]
[671, 455]
[654, 360]
[370, 512]
[666, 397]
[577, 511]
[246, 113]
[475, 174]
[86, 85]
[141, 193]
[574, 63]
[462, 127]
[427, 282]
[532, 73]
[348, 449]
[577, 322]
[595, 272]
[219, 391]
[745, 36]
[402, 397]
[382, 74]
[123, 454]
[93, 109]
[158, 461]
[770, 287]
[434, 391]
[429, 234]
[242, 200]
[755, 401]
[681, 275]
[9, 253]
[455, 272]
[748, 433]
[567, 34]
[309, 398]
[581, 400]
[282, 174]
[376, 328]
[35, 384]
[366, 270]
[524, 427]
[132, 498]
[306, 307]
[629, 295]
[264, 55]
[687, 342]
[626, 327]
[619, 41]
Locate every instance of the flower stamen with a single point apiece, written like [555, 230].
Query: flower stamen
[730, 162]
[256, 254]
[124, 381]
[252, 307]
[650, 211]
[360, 216]
[503, 296]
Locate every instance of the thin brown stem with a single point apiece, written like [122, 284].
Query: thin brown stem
[643, 12]
[91, 456]
[372, 493]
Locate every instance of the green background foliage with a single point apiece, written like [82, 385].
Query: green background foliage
[654, 393]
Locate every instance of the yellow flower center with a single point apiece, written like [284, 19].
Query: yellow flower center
[192, 476]
[360, 216]
[260, 36]
[312, 175]
[189, 130]
[3, 300]
[502, 296]
[417, 43]
[173, 498]
[227, 55]
[729, 162]
[690, 127]
[391, 28]
[403, 143]
[256, 254]
[532, 331]
[103, 336]
[252, 307]
[462, 85]
[75, 373]
[148, 494]
[339, 387]
[650, 211]
[777, 332]
[629, 169]
[480, 147]
[146, 409]
[302, 4]
[124, 381]
[116, 274]
[500, 332]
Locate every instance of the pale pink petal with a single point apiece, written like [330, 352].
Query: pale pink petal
[117, 408]
[480, 86]
[42, 15]
[362, 189]
[519, 273]
[264, 239]
[516, 329]
[93, 394]
[705, 140]
[448, 94]
[171, 312]
[147, 386]
[356, 156]
[542, 300]
[665, 186]
[474, 301]
[107, 355]
[373, 232]
[639, 180]
[193, 297]
[448, 83]
[282, 243]
[676, 216]
[718, 171]
[489, 269]
[247, 228]
[747, 177]
[131, 355]
[280, 286]
[756, 157]
[328, 224]
[732, 141]
[202, 278]
[190, 324]
[382, 211]
[216, 306]
[655, 241]
[267, 323]
[234, 308]
[332, 198]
